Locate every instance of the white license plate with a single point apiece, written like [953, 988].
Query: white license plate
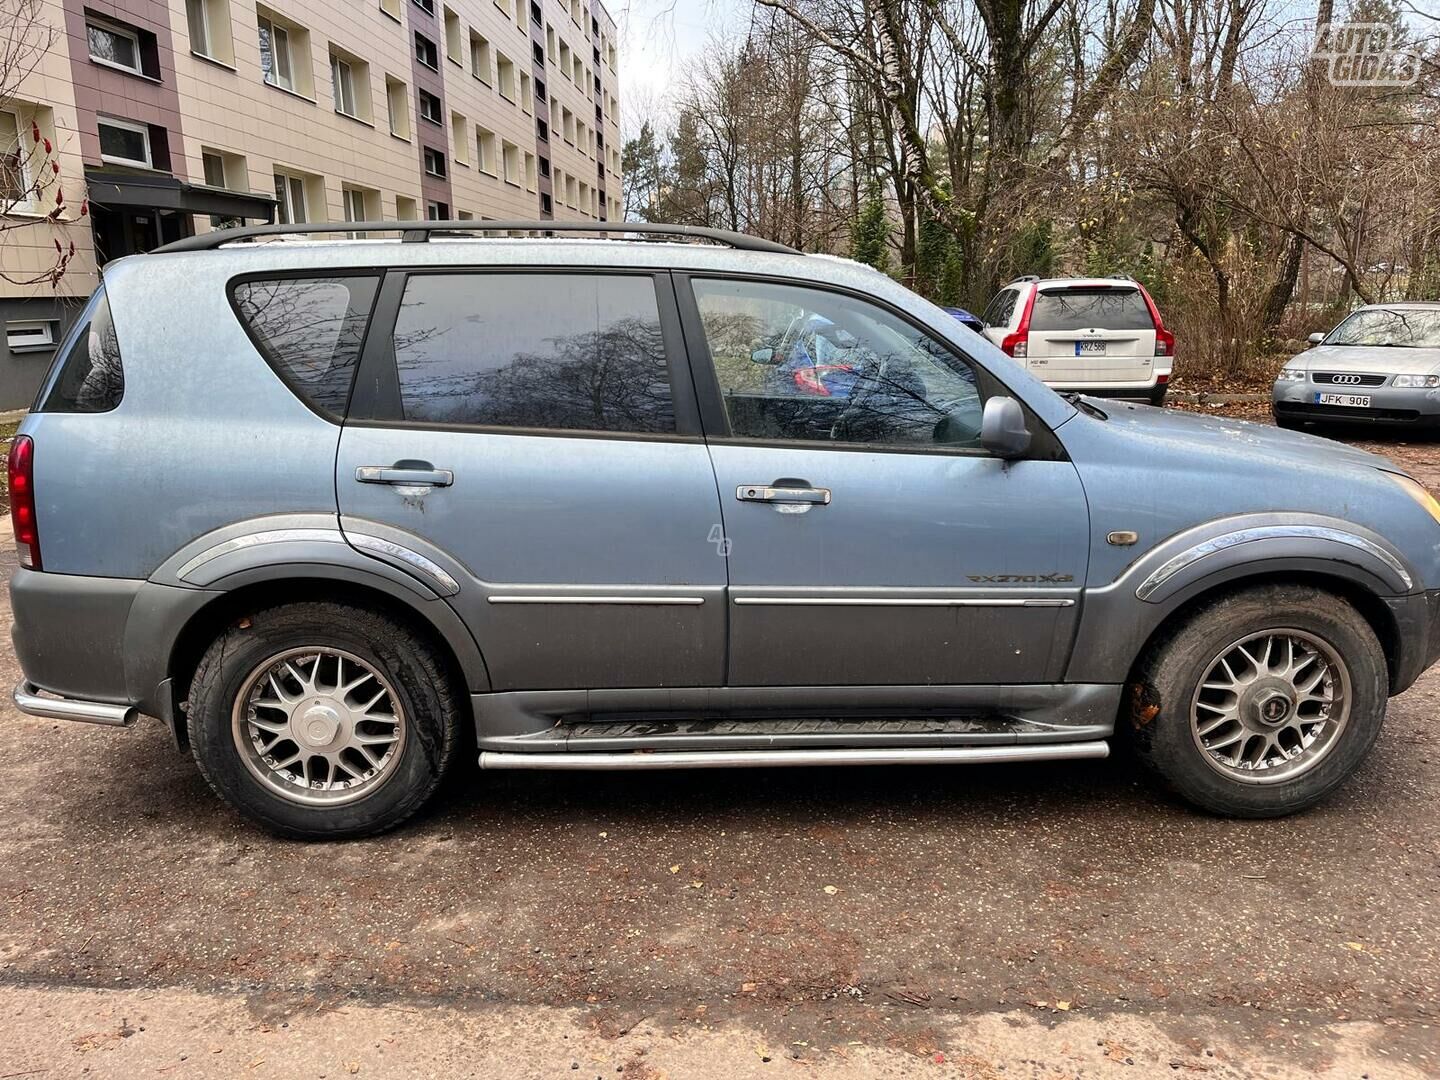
[1350, 401]
[1089, 348]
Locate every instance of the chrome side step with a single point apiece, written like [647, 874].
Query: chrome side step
[28, 700]
[726, 759]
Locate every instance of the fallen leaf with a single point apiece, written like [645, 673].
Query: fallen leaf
[1354, 945]
[1063, 1006]
[831, 890]
[675, 869]
[747, 988]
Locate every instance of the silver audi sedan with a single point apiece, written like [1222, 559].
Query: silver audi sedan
[1380, 366]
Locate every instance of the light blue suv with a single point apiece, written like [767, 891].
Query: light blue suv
[342, 512]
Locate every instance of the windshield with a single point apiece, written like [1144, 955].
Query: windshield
[1411, 328]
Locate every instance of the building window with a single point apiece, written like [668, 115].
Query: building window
[425, 52]
[357, 203]
[342, 78]
[536, 15]
[275, 55]
[434, 162]
[565, 68]
[124, 143]
[430, 107]
[290, 199]
[437, 211]
[530, 181]
[397, 104]
[510, 154]
[114, 46]
[391, 8]
[505, 76]
[542, 131]
[484, 150]
[550, 43]
[209, 22]
[406, 208]
[537, 52]
[459, 144]
[525, 93]
[464, 215]
[427, 6]
[15, 190]
[214, 166]
[452, 37]
[480, 58]
[546, 206]
[545, 167]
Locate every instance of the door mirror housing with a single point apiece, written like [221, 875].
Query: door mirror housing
[1315, 339]
[763, 356]
[1002, 428]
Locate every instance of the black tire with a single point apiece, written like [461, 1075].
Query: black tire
[1157, 396]
[430, 702]
[1169, 676]
[1289, 423]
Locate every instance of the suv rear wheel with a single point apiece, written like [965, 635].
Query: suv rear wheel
[1262, 703]
[322, 720]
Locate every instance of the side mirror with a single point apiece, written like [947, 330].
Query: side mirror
[1002, 428]
[1315, 339]
[763, 356]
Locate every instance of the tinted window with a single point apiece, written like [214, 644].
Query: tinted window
[581, 352]
[90, 378]
[1082, 309]
[796, 363]
[311, 330]
[1001, 308]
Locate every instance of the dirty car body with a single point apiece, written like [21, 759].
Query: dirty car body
[352, 500]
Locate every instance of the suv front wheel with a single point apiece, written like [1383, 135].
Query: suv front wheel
[323, 720]
[1263, 702]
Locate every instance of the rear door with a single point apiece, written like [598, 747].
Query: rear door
[537, 435]
[1091, 333]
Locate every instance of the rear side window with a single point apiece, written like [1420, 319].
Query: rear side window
[1001, 308]
[91, 378]
[1083, 309]
[311, 331]
[573, 352]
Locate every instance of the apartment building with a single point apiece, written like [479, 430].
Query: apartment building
[177, 116]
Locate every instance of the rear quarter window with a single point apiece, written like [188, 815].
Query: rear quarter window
[311, 330]
[1082, 309]
[90, 378]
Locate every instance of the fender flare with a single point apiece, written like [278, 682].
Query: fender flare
[1119, 617]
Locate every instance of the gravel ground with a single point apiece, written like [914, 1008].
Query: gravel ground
[1043, 921]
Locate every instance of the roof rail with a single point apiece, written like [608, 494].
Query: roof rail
[421, 231]
[1025, 277]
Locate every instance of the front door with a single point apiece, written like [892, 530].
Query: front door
[871, 541]
[530, 427]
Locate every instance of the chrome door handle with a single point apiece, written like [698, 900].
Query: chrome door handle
[404, 476]
[772, 494]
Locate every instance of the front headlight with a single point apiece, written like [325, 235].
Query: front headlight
[1291, 374]
[1418, 492]
[1416, 380]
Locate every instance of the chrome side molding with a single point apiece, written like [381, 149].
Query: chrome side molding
[549, 598]
[28, 700]
[272, 536]
[433, 574]
[904, 601]
[1270, 532]
[726, 759]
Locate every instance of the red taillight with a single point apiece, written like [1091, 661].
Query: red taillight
[1164, 339]
[1162, 378]
[21, 470]
[1018, 343]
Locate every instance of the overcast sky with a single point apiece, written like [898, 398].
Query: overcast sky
[657, 37]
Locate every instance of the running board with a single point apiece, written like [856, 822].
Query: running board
[726, 759]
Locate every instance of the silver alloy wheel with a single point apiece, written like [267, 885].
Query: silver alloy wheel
[1271, 706]
[318, 726]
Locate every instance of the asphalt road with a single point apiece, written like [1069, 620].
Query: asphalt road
[1044, 921]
